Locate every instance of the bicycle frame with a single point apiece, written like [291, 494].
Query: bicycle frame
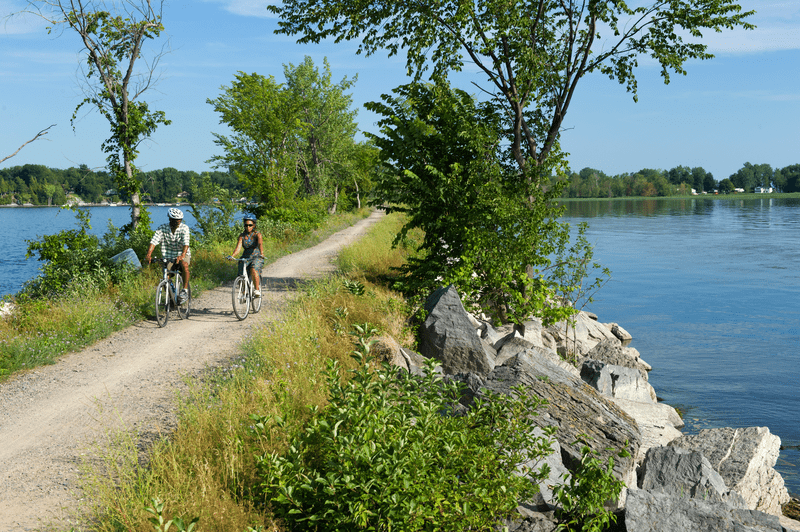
[167, 293]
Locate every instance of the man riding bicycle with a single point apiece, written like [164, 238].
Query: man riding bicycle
[174, 241]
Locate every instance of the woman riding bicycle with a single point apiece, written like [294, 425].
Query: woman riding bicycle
[250, 240]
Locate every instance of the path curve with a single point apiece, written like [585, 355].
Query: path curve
[50, 417]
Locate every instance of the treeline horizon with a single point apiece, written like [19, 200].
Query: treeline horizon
[679, 181]
[38, 184]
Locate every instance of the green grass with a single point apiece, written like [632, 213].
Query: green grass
[207, 468]
[40, 331]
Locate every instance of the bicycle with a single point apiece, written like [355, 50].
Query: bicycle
[167, 293]
[242, 294]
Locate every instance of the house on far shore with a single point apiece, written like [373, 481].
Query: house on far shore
[763, 190]
[739, 190]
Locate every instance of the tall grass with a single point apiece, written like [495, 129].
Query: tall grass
[207, 468]
[39, 331]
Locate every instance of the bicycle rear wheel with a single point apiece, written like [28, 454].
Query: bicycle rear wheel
[255, 303]
[185, 307]
[241, 298]
[162, 303]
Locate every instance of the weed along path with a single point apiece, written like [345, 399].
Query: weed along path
[53, 418]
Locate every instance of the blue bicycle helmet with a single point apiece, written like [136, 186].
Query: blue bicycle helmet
[251, 217]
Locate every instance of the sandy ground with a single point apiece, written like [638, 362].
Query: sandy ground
[51, 417]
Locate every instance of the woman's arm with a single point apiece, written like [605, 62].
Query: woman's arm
[238, 247]
[260, 244]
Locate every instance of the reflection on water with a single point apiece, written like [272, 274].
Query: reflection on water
[667, 206]
[709, 289]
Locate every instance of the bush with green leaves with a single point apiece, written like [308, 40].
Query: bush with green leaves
[489, 229]
[74, 257]
[582, 498]
[390, 453]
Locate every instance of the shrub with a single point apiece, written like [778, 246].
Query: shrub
[389, 453]
[582, 498]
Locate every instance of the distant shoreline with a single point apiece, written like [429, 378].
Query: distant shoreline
[737, 196]
[15, 206]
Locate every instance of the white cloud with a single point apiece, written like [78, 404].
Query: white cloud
[249, 8]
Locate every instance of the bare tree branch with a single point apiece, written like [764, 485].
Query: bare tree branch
[39, 134]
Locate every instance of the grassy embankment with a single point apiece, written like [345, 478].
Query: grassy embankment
[207, 469]
[41, 330]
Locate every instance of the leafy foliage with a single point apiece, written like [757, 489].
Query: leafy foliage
[582, 498]
[389, 453]
[291, 140]
[72, 257]
[533, 53]
[485, 224]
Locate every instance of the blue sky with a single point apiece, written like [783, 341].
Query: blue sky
[742, 106]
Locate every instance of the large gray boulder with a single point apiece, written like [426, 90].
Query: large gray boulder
[573, 407]
[617, 381]
[612, 352]
[658, 423]
[745, 458]
[682, 473]
[449, 336]
[646, 511]
[576, 339]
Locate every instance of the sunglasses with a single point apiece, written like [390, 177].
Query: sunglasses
[249, 225]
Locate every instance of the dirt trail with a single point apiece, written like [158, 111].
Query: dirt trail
[50, 417]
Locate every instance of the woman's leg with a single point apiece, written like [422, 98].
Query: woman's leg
[254, 275]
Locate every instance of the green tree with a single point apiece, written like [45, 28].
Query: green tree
[726, 186]
[533, 53]
[791, 176]
[745, 178]
[263, 118]
[113, 35]
[291, 139]
[442, 156]
[325, 141]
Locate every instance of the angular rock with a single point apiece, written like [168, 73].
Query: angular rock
[449, 336]
[386, 349]
[573, 407]
[658, 423]
[619, 332]
[686, 474]
[745, 458]
[578, 339]
[659, 512]
[611, 352]
[617, 381]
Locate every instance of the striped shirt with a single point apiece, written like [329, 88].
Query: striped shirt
[172, 243]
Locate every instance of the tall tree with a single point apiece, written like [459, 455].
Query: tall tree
[533, 53]
[288, 138]
[328, 127]
[263, 120]
[114, 34]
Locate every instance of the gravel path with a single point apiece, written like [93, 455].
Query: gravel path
[50, 417]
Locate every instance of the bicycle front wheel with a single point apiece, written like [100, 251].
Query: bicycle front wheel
[162, 303]
[183, 307]
[241, 298]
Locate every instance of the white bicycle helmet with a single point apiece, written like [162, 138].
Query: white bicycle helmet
[175, 214]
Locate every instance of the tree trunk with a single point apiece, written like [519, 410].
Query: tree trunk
[332, 208]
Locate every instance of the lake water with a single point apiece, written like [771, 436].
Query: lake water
[19, 224]
[709, 290]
